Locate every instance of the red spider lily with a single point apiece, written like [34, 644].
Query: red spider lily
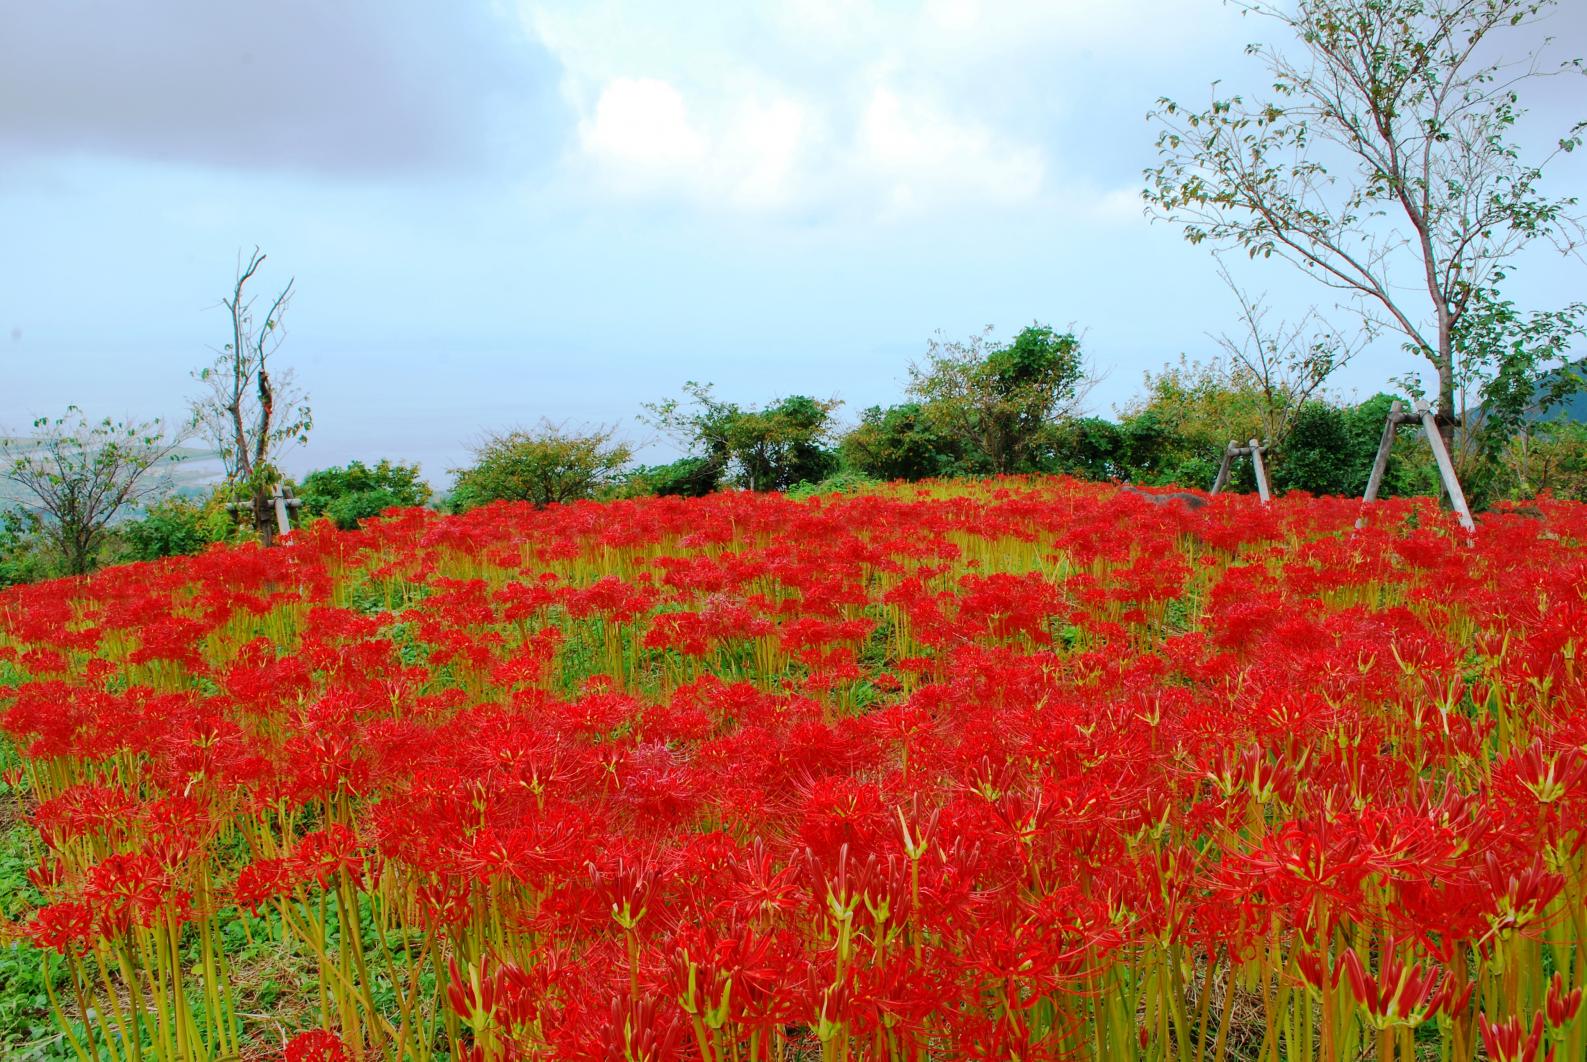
[315, 1045]
[1509, 1041]
[323, 854]
[1400, 993]
[67, 927]
[263, 880]
[960, 771]
[1562, 1006]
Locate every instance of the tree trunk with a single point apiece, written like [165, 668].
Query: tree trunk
[1446, 392]
[264, 518]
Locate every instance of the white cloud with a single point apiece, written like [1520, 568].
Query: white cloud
[921, 152]
[641, 123]
[856, 106]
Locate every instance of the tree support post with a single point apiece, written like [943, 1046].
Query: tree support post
[282, 500]
[1233, 450]
[1435, 442]
[1446, 467]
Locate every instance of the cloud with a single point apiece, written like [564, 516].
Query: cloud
[354, 86]
[642, 123]
[843, 106]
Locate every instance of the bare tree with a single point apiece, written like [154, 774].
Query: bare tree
[79, 475]
[1286, 363]
[1386, 164]
[251, 412]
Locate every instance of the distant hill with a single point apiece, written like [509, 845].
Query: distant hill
[1573, 408]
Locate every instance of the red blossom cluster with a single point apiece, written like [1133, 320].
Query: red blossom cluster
[1033, 770]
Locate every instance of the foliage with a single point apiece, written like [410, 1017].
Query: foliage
[356, 492]
[843, 482]
[1176, 431]
[79, 475]
[1521, 363]
[687, 477]
[1027, 768]
[1549, 456]
[175, 527]
[1331, 449]
[1385, 164]
[253, 410]
[760, 449]
[546, 466]
[24, 556]
[901, 442]
[1000, 403]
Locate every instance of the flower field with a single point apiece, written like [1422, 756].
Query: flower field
[1019, 770]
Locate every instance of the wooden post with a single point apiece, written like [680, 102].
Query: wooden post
[1448, 482]
[1261, 472]
[1233, 450]
[1223, 469]
[283, 522]
[1446, 467]
[283, 502]
[1380, 464]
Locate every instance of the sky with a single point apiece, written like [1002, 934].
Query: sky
[496, 213]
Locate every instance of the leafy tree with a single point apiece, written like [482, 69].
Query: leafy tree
[546, 466]
[252, 411]
[78, 475]
[1176, 431]
[1001, 403]
[761, 449]
[356, 492]
[1386, 165]
[900, 442]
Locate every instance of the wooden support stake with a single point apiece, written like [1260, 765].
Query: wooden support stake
[1448, 482]
[1233, 450]
[283, 522]
[1446, 467]
[1380, 464]
[1261, 473]
[282, 500]
[1223, 469]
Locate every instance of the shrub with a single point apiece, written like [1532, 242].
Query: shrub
[545, 466]
[356, 492]
[24, 556]
[900, 442]
[174, 527]
[847, 482]
[687, 477]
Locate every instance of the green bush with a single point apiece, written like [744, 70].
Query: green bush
[762, 448]
[24, 556]
[687, 477]
[848, 482]
[901, 442]
[174, 527]
[546, 466]
[356, 492]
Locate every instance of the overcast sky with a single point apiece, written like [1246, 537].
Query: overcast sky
[498, 212]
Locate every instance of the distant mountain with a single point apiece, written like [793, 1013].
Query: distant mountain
[1573, 408]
